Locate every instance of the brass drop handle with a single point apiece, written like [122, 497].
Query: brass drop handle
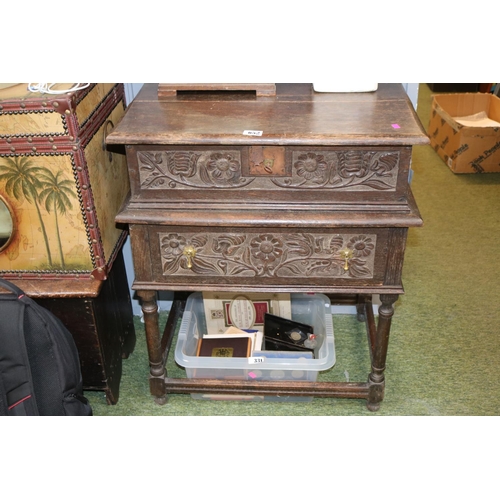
[189, 251]
[346, 254]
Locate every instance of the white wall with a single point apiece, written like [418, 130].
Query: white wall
[412, 91]
[131, 90]
[165, 301]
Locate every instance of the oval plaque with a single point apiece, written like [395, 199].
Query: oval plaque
[242, 312]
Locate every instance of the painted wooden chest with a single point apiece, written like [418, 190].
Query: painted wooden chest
[60, 188]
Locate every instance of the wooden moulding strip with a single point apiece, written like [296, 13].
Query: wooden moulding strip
[369, 287]
[261, 89]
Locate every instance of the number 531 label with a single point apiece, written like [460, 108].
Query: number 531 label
[256, 360]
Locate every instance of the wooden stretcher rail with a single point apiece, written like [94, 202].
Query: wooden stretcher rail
[352, 390]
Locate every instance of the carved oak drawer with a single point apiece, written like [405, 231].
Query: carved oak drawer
[178, 257]
[298, 175]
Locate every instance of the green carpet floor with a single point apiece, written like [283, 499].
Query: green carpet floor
[444, 350]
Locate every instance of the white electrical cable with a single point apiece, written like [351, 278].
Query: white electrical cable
[46, 88]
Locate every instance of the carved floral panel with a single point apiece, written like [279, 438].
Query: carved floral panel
[191, 169]
[333, 170]
[268, 255]
[350, 170]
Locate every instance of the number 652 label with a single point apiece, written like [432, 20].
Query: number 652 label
[252, 132]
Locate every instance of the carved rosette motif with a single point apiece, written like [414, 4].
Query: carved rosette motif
[349, 170]
[194, 169]
[268, 255]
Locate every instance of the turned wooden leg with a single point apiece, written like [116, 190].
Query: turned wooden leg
[376, 378]
[153, 338]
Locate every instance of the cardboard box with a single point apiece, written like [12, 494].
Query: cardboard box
[450, 88]
[466, 149]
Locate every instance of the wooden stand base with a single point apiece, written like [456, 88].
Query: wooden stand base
[372, 390]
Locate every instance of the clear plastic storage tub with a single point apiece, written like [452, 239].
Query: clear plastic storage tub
[313, 309]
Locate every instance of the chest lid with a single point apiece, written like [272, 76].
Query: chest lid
[295, 115]
[30, 119]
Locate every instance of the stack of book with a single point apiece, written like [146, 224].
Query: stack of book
[232, 343]
[240, 325]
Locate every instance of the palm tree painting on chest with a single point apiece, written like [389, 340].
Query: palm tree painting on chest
[49, 230]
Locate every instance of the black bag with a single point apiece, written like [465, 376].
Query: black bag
[40, 370]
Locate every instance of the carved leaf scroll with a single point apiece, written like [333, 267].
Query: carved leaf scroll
[191, 169]
[347, 170]
[269, 255]
[343, 170]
